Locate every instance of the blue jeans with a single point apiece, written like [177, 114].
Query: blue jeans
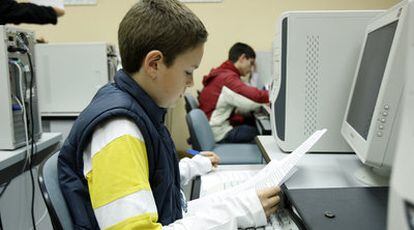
[241, 134]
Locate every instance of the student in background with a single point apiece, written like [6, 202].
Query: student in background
[228, 101]
[16, 13]
[118, 168]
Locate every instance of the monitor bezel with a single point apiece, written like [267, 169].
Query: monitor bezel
[362, 147]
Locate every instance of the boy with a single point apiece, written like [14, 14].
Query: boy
[227, 101]
[118, 168]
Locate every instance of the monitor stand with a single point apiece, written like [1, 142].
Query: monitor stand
[373, 176]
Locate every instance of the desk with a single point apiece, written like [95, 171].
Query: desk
[15, 204]
[322, 170]
[329, 170]
[11, 162]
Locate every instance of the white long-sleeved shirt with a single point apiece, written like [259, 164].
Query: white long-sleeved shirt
[116, 168]
[226, 103]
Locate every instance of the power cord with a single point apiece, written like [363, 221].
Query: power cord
[23, 48]
[25, 43]
[32, 138]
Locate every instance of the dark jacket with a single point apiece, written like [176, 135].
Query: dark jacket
[124, 98]
[16, 13]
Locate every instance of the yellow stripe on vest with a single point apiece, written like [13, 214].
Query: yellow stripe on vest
[119, 169]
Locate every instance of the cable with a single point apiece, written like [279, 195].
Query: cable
[41, 218]
[24, 42]
[33, 136]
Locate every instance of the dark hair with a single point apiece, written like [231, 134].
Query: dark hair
[167, 26]
[238, 49]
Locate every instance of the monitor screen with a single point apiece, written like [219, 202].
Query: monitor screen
[264, 68]
[369, 78]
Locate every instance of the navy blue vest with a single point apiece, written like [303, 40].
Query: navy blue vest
[124, 98]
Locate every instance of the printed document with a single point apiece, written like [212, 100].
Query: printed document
[273, 174]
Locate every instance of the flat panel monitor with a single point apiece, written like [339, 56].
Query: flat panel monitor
[372, 115]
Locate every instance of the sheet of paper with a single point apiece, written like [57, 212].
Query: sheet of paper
[55, 3]
[220, 180]
[273, 174]
[277, 172]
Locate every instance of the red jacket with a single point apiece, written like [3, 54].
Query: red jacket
[227, 75]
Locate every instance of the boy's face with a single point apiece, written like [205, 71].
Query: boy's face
[174, 80]
[245, 65]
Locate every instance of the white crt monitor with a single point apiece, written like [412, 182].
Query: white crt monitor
[69, 75]
[315, 56]
[372, 114]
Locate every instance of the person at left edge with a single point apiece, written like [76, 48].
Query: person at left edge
[15, 13]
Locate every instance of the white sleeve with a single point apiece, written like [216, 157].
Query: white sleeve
[239, 101]
[196, 166]
[242, 210]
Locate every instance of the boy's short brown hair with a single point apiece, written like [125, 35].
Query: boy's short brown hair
[164, 25]
[238, 50]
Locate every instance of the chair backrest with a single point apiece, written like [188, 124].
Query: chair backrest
[201, 135]
[50, 189]
[190, 102]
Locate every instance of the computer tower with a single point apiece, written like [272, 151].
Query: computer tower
[69, 75]
[18, 88]
[315, 57]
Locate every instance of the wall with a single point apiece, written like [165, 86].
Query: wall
[248, 21]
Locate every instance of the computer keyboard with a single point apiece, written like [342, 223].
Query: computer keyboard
[263, 112]
[221, 180]
[281, 220]
[261, 115]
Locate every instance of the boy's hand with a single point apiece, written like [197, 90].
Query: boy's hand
[41, 40]
[269, 197]
[214, 158]
[59, 12]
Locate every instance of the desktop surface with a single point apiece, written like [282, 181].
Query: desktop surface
[10, 157]
[316, 170]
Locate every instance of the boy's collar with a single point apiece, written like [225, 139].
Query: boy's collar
[230, 65]
[126, 83]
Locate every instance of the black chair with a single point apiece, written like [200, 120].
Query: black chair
[202, 139]
[50, 189]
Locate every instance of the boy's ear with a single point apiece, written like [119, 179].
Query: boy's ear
[241, 57]
[152, 63]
